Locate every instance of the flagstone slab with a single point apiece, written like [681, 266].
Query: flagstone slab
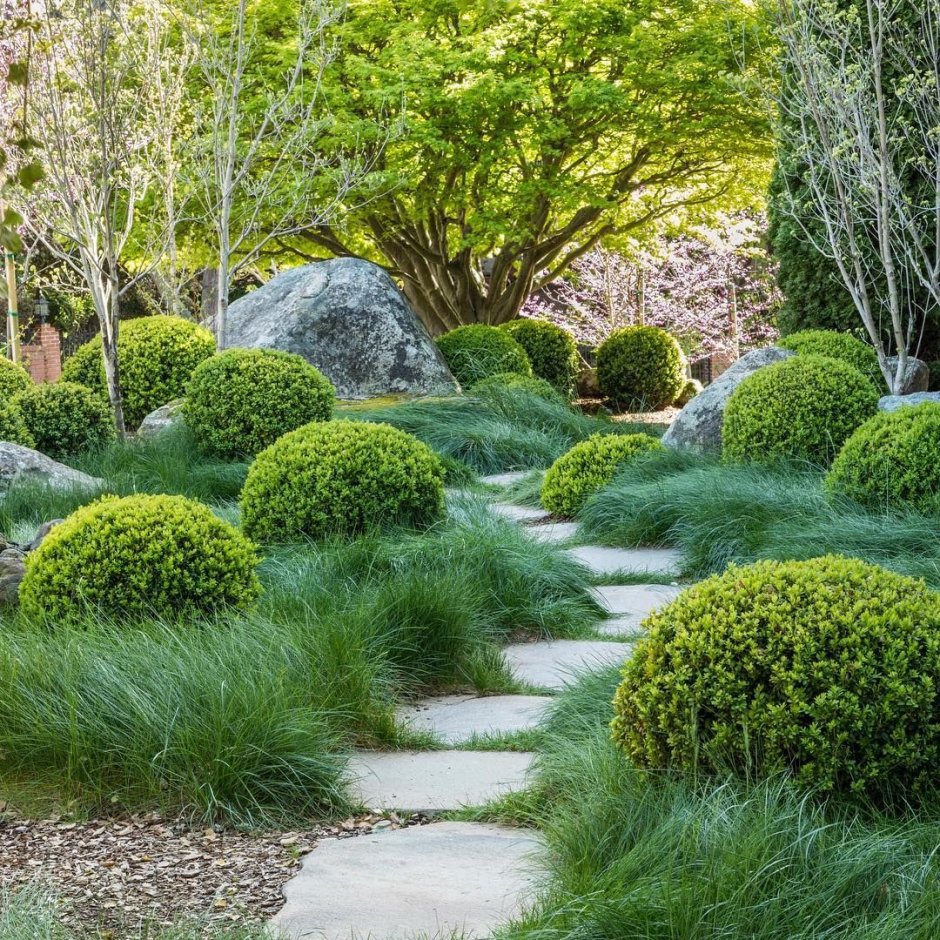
[555, 532]
[603, 561]
[519, 513]
[434, 781]
[505, 479]
[553, 664]
[455, 719]
[438, 881]
[636, 601]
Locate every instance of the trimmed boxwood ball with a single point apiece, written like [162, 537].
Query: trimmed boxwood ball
[588, 467]
[690, 390]
[828, 669]
[65, 419]
[242, 400]
[836, 345]
[13, 378]
[140, 556]
[551, 350]
[341, 478]
[13, 428]
[478, 351]
[892, 461]
[510, 381]
[640, 368]
[803, 408]
[157, 356]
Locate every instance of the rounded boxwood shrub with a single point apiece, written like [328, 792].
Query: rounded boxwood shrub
[140, 556]
[13, 427]
[588, 467]
[551, 350]
[892, 460]
[801, 408]
[828, 669]
[340, 478]
[478, 351]
[65, 418]
[641, 368]
[242, 400]
[512, 381]
[842, 346]
[157, 355]
[690, 390]
[13, 378]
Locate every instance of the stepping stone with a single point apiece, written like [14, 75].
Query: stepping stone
[457, 718]
[443, 880]
[636, 601]
[553, 664]
[519, 513]
[505, 479]
[433, 781]
[604, 561]
[554, 531]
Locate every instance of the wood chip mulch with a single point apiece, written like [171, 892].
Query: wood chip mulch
[111, 875]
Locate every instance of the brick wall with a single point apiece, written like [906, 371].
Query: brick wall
[43, 356]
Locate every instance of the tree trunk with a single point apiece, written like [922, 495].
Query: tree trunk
[112, 369]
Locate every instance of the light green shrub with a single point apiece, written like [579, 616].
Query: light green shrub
[13, 378]
[65, 419]
[341, 478]
[13, 427]
[690, 390]
[478, 351]
[242, 400]
[640, 368]
[835, 345]
[552, 351]
[510, 381]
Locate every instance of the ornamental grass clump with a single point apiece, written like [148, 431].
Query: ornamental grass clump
[892, 461]
[551, 350]
[835, 345]
[803, 408]
[140, 556]
[590, 466]
[341, 478]
[512, 381]
[477, 351]
[157, 354]
[827, 669]
[242, 400]
[65, 419]
[641, 368]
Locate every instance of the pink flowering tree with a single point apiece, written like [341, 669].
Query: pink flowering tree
[714, 290]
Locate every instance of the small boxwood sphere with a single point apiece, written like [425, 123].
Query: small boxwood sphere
[892, 461]
[242, 400]
[341, 478]
[13, 378]
[65, 419]
[13, 428]
[588, 467]
[640, 368]
[140, 556]
[551, 350]
[692, 389]
[157, 356]
[512, 381]
[803, 408]
[478, 351]
[828, 669]
[836, 345]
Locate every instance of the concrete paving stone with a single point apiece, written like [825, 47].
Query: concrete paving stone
[505, 479]
[554, 531]
[553, 664]
[604, 561]
[519, 513]
[437, 881]
[434, 781]
[457, 718]
[636, 601]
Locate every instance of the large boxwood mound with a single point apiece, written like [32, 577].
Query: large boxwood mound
[477, 351]
[340, 478]
[242, 400]
[13, 378]
[836, 345]
[13, 427]
[140, 556]
[157, 357]
[892, 461]
[803, 408]
[551, 350]
[64, 419]
[828, 669]
[641, 368]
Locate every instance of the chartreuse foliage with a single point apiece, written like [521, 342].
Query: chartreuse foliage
[138, 556]
[551, 350]
[836, 345]
[242, 400]
[157, 355]
[802, 408]
[892, 461]
[588, 467]
[477, 351]
[13, 427]
[13, 378]
[828, 669]
[340, 478]
[65, 419]
[641, 368]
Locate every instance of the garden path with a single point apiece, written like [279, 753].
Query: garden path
[462, 879]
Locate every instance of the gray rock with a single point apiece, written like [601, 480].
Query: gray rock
[20, 464]
[161, 420]
[894, 402]
[41, 533]
[346, 317]
[916, 376]
[12, 570]
[698, 426]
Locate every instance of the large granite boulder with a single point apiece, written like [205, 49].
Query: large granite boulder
[20, 464]
[698, 426]
[894, 402]
[346, 317]
[916, 375]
